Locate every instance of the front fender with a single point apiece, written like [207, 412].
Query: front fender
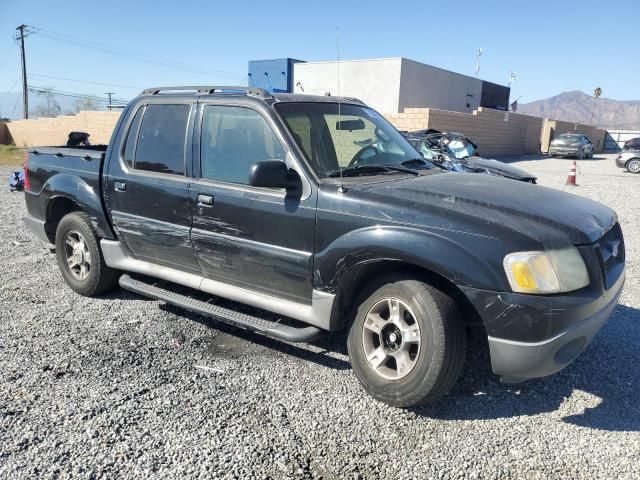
[83, 194]
[431, 250]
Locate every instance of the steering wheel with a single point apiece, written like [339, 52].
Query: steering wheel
[356, 158]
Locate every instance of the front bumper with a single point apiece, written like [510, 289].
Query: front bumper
[535, 336]
[621, 162]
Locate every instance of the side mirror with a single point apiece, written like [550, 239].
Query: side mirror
[271, 174]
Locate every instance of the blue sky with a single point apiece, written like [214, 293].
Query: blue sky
[553, 46]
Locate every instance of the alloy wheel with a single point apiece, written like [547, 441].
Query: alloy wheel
[77, 254]
[391, 338]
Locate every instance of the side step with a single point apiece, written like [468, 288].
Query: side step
[238, 319]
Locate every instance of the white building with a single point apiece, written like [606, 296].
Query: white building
[392, 84]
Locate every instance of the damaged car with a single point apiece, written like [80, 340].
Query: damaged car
[298, 215]
[457, 153]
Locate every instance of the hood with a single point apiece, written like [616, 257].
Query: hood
[501, 168]
[497, 207]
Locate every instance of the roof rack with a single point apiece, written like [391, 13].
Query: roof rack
[212, 89]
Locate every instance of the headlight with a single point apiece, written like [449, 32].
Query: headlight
[552, 271]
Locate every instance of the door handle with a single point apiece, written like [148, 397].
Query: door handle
[205, 199]
[119, 186]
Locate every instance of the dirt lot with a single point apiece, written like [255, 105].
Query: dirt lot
[120, 386]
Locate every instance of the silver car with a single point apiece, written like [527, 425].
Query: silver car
[630, 161]
[571, 145]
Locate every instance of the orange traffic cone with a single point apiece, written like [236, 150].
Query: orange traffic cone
[571, 179]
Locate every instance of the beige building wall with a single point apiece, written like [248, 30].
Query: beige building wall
[55, 131]
[494, 131]
[4, 134]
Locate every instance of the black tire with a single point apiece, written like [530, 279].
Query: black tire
[436, 367]
[99, 277]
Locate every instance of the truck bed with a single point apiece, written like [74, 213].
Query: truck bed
[65, 173]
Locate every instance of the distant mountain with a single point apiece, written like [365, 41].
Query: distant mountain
[576, 107]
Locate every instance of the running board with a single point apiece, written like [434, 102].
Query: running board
[226, 315]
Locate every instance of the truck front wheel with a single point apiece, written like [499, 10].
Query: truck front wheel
[79, 257]
[406, 342]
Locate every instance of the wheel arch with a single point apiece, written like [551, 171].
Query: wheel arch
[68, 193]
[358, 258]
[57, 208]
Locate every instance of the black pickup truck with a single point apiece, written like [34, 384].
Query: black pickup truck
[286, 203]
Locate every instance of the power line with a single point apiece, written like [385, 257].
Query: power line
[15, 105]
[83, 81]
[9, 91]
[76, 95]
[5, 58]
[109, 95]
[127, 54]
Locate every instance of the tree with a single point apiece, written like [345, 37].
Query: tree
[87, 103]
[596, 94]
[51, 108]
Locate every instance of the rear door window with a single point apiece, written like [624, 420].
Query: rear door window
[161, 141]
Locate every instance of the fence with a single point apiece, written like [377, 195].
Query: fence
[4, 134]
[615, 138]
[54, 131]
[496, 132]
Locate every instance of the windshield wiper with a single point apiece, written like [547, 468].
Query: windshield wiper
[370, 169]
[418, 162]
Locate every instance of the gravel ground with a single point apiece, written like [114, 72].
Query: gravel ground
[124, 387]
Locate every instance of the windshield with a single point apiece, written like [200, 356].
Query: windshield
[459, 147]
[355, 137]
[455, 145]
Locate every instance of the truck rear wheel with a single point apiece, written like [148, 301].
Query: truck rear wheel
[406, 342]
[79, 257]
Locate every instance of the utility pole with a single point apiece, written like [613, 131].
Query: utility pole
[109, 95]
[25, 91]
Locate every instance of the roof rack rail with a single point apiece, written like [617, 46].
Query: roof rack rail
[356, 100]
[211, 89]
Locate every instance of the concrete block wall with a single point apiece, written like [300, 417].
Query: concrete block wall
[4, 134]
[496, 132]
[55, 131]
[410, 120]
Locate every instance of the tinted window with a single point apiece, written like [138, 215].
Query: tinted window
[336, 136]
[161, 140]
[233, 139]
[130, 142]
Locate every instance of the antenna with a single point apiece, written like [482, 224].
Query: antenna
[341, 189]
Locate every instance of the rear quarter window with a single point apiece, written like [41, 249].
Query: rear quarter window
[130, 142]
